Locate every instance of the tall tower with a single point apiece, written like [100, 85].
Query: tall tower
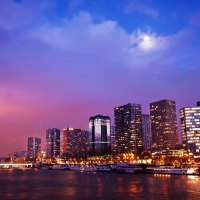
[99, 135]
[146, 131]
[163, 124]
[190, 129]
[128, 128]
[34, 148]
[198, 103]
[53, 142]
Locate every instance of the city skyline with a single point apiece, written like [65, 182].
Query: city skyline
[145, 137]
[65, 61]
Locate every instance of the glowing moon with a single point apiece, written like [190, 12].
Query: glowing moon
[146, 38]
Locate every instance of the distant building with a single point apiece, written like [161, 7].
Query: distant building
[146, 131]
[53, 142]
[198, 103]
[74, 142]
[128, 128]
[164, 124]
[99, 135]
[34, 148]
[20, 154]
[190, 129]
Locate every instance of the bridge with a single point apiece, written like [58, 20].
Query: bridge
[15, 165]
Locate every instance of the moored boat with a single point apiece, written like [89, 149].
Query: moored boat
[171, 170]
[103, 168]
[76, 167]
[59, 167]
[128, 168]
[83, 168]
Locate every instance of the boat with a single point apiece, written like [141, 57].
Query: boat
[90, 168]
[76, 167]
[103, 168]
[59, 167]
[170, 170]
[128, 168]
[83, 168]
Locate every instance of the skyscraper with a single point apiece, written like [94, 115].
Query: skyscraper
[53, 142]
[190, 128]
[128, 128]
[34, 148]
[163, 124]
[146, 131]
[198, 103]
[99, 135]
[75, 142]
[113, 141]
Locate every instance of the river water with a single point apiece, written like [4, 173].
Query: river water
[55, 185]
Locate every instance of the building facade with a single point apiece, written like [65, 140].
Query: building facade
[53, 142]
[34, 148]
[113, 141]
[190, 129]
[128, 128]
[99, 135]
[164, 124]
[146, 132]
[75, 142]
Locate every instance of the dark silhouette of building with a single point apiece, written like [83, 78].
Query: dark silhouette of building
[164, 124]
[53, 142]
[198, 103]
[128, 128]
[99, 135]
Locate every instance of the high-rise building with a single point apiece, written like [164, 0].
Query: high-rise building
[198, 103]
[99, 135]
[163, 124]
[74, 142]
[146, 131]
[53, 142]
[190, 129]
[34, 148]
[113, 141]
[128, 128]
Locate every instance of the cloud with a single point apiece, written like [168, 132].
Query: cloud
[144, 8]
[109, 43]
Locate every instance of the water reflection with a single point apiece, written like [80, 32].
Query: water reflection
[44, 184]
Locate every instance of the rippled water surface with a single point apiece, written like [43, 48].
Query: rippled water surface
[49, 184]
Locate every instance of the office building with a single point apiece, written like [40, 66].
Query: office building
[190, 129]
[99, 135]
[163, 124]
[74, 142]
[34, 148]
[53, 142]
[128, 128]
[113, 141]
[146, 132]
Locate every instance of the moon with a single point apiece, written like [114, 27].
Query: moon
[146, 38]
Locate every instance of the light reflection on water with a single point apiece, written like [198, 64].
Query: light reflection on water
[49, 184]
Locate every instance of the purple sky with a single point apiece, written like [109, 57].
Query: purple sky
[64, 61]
